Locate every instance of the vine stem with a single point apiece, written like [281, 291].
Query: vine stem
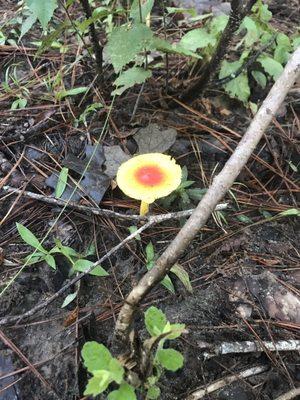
[220, 185]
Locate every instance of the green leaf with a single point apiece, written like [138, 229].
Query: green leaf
[27, 25]
[260, 78]
[176, 10]
[30, 238]
[42, 10]
[271, 66]
[196, 193]
[98, 383]
[116, 370]
[133, 229]
[71, 92]
[150, 252]
[82, 265]
[183, 276]
[197, 39]
[146, 8]
[168, 284]
[129, 78]
[125, 392]
[218, 24]
[175, 329]
[62, 182]
[296, 42]
[96, 356]
[244, 218]
[19, 103]
[281, 54]
[155, 321]
[153, 393]
[50, 261]
[170, 359]
[238, 87]
[175, 48]
[127, 41]
[253, 32]
[69, 299]
[292, 212]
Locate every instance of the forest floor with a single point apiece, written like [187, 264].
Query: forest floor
[243, 266]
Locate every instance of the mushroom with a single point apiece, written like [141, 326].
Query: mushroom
[149, 177]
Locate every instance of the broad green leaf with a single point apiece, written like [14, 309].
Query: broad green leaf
[271, 66]
[175, 329]
[218, 24]
[175, 48]
[71, 92]
[27, 25]
[50, 261]
[42, 10]
[260, 78]
[238, 88]
[197, 39]
[125, 392]
[62, 182]
[116, 370]
[168, 284]
[127, 41]
[150, 252]
[153, 393]
[143, 7]
[170, 359]
[283, 40]
[82, 265]
[253, 32]
[296, 42]
[34, 258]
[129, 78]
[183, 276]
[155, 321]
[98, 383]
[69, 299]
[281, 54]
[30, 238]
[96, 356]
[262, 11]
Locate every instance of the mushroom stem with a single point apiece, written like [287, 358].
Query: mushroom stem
[144, 208]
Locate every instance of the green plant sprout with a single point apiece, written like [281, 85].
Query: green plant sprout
[184, 194]
[177, 270]
[105, 369]
[78, 261]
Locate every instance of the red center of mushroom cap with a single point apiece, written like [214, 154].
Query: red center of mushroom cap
[150, 175]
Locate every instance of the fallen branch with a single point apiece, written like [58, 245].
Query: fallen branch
[199, 394]
[248, 347]
[220, 185]
[289, 395]
[103, 212]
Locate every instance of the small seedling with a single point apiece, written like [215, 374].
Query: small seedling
[184, 194]
[177, 270]
[105, 369]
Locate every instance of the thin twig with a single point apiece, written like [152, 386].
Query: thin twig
[220, 185]
[199, 394]
[103, 212]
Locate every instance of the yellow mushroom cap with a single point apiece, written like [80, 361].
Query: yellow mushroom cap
[148, 177]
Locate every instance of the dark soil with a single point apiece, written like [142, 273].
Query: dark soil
[235, 264]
